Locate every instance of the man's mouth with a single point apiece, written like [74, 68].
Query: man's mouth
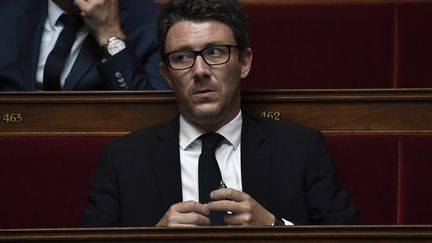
[205, 93]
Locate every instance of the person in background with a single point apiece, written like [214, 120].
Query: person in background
[214, 164]
[79, 45]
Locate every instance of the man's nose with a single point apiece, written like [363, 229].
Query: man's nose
[200, 67]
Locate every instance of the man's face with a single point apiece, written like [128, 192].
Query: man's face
[68, 6]
[208, 96]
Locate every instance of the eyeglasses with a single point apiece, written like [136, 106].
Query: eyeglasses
[214, 55]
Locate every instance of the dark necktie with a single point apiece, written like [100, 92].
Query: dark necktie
[209, 175]
[57, 57]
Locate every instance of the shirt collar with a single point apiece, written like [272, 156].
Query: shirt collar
[231, 131]
[54, 12]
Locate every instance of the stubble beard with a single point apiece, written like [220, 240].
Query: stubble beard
[208, 116]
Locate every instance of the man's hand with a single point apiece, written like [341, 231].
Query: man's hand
[189, 213]
[102, 18]
[244, 209]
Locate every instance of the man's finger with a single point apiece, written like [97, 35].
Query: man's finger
[230, 194]
[82, 5]
[225, 205]
[235, 219]
[192, 206]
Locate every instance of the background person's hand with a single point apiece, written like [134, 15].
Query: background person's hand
[102, 18]
[188, 213]
[244, 209]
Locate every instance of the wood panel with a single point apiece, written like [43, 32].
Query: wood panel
[294, 234]
[116, 113]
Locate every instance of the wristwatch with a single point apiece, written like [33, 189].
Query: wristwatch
[114, 46]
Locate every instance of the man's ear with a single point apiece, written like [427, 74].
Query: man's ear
[246, 62]
[165, 73]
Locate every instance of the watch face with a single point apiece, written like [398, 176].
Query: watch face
[115, 46]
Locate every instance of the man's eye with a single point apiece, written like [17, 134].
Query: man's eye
[215, 51]
[181, 57]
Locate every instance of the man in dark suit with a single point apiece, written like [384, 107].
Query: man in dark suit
[115, 47]
[272, 173]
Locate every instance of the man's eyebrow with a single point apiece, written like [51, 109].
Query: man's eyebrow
[213, 44]
[189, 48]
[182, 48]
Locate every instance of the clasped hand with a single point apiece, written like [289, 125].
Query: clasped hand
[245, 211]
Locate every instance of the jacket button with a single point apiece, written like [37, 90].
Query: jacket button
[118, 75]
[121, 81]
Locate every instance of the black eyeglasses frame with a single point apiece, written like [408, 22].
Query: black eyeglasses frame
[200, 53]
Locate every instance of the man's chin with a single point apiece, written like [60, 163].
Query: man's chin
[207, 111]
[203, 114]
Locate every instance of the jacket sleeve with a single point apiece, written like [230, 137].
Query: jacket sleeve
[103, 209]
[327, 200]
[125, 71]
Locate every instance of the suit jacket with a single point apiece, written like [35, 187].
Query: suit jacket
[21, 25]
[285, 167]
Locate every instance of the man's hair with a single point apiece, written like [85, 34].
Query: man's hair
[228, 12]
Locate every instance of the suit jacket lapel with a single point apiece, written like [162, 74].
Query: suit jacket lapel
[166, 159]
[89, 55]
[255, 161]
[31, 22]
[86, 58]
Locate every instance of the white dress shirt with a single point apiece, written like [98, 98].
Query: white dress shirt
[227, 155]
[51, 32]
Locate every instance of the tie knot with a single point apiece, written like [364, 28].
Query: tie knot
[71, 20]
[210, 141]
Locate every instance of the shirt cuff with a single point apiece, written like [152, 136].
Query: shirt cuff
[287, 222]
